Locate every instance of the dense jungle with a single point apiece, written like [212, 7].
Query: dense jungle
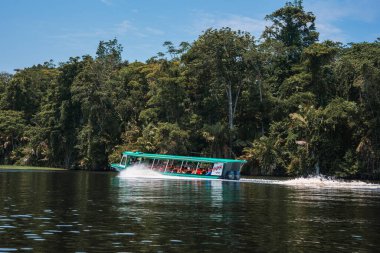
[288, 103]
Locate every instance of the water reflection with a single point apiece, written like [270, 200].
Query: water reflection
[158, 206]
[214, 192]
[100, 212]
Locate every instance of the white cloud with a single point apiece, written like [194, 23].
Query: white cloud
[254, 26]
[330, 32]
[123, 27]
[98, 33]
[330, 13]
[107, 2]
[154, 31]
[334, 10]
[95, 34]
[204, 21]
[78, 35]
[127, 27]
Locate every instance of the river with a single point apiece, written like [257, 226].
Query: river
[106, 212]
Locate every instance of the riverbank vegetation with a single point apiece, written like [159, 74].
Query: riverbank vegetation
[21, 167]
[287, 102]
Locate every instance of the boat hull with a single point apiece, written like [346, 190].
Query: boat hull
[116, 167]
[188, 175]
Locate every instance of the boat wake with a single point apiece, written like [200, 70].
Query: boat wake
[321, 182]
[140, 171]
[318, 182]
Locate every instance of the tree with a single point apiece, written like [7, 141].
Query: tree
[220, 53]
[292, 30]
[27, 89]
[311, 141]
[109, 54]
[290, 105]
[12, 127]
[292, 26]
[314, 73]
[164, 138]
[92, 90]
[166, 94]
[318, 60]
[357, 79]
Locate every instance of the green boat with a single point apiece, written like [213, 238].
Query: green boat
[181, 166]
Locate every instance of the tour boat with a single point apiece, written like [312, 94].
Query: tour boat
[182, 166]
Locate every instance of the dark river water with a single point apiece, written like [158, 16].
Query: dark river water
[101, 212]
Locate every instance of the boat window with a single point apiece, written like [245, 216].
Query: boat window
[123, 160]
[160, 165]
[187, 167]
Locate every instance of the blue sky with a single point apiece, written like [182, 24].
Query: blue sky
[36, 31]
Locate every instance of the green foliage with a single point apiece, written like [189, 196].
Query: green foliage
[264, 155]
[166, 138]
[311, 141]
[12, 127]
[286, 103]
[218, 61]
[92, 90]
[292, 26]
[292, 30]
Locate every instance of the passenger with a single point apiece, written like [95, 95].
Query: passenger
[209, 172]
[199, 171]
[189, 171]
[204, 171]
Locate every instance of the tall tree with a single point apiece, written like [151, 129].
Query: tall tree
[292, 26]
[92, 90]
[12, 129]
[292, 29]
[221, 53]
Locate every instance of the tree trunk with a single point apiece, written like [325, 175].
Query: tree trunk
[230, 108]
[230, 117]
[261, 101]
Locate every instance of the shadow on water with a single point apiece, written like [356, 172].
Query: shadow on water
[101, 212]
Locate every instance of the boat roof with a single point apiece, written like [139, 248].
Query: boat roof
[183, 158]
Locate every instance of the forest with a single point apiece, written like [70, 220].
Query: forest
[289, 104]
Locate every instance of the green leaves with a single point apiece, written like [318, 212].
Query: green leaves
[165, 138]
[309, 139]
[12, 127]
[93, 90]
[288, 104]
[292, 26]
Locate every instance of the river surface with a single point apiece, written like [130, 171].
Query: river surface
[107, 212]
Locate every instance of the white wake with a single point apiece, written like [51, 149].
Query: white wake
[140, 171]
[318, 182]
[144, 171]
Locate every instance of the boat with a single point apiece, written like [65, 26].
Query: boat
[182, 166]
